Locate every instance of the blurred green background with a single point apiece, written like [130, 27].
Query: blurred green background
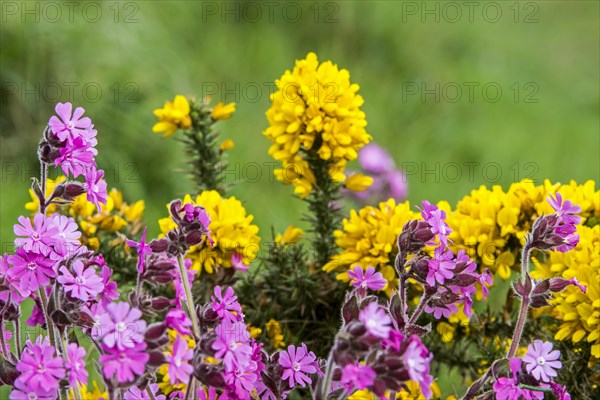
[501, 90]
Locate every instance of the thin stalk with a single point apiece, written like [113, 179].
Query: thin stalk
[3, 347]
[188, 297]
[43, 177]
[419, 309]
[150, 393]
[525, 255]
[18, 336]
[328, 375]
[516, 338]
[189, 388]
[49, 325]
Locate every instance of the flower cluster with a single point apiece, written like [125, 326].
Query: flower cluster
[316, 108]
[235, 237]
[381, 179]
[532, 375]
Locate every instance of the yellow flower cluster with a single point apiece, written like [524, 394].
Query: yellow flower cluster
[491, 224]
[578, 312]
[315, 105]
[174, 115]
[368, 238]
[115, 216]
[274, 333]
[412, 392]
[231, 228]
[290, 236]
[92, 392]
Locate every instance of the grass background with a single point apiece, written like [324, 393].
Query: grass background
[141, 53]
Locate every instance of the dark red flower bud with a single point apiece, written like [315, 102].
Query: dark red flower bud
[72, 190]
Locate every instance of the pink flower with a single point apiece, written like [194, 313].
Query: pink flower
[376, 320]
[436, 220]
[560, 391]
[541, 361]
[374, 159]
[69, 126]
[10, 287]
[296, 363]
[84, 285]
[142, 248]
[37, 237]
[566, 209]
[31, 269]
[110, 292]
[76, 365]
[121, 326]
[76, 157]
[67, 236]
[226, 305]
[22, 391]
[206, 394]
[358, 376]
[507, 388]
[366, 279]
[417, 359]
[177, 319]
[125, 364]
[134, 393]
[232, 344]
[237, 261]
[95, 187]
[179, 367]
[440, 266]
[40, 369]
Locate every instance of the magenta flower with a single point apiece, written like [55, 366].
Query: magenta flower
[177, 319]
[75, 365]
[240, 381]
[37, 316]
[37, 236]
[67, 236]
[76, 157]
[237, 261]
[22, 391]
[110, 292]
[226, 305]
[134, 393]
[10, 287]
[206, 394]
[84, 285]
[179, 367]
[122, 326]
[296, 363]
[436, 219]
[231, 344]
[541, 361]
[376, 320]
[560, 391]
[374, 159]
[69, 126]
[31, 269]
[507, 388]
[417, 359]
[440, 266]
[441, 310]
[39, 368]
[124, 364]
[366, 279]
[567, 210]
[358, 376]
[142, 250]
[95, 187]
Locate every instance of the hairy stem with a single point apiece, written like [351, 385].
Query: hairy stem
[3, 347]
[188, 296]
[516, 338]
[49, 325]
[419, 309]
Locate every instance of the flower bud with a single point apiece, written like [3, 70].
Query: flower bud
[72, 190]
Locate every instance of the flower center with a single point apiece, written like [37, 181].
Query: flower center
[120, 326]
[32, 396]
[541, 361]
[41, 369]
[371, 323]
[296, 367]
[70, 125]
[80, 280]
[31, 266]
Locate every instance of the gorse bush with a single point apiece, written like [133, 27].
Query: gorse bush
[377, 304]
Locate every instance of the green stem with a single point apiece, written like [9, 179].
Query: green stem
[49, 325]
[188, 296]
[419, 309]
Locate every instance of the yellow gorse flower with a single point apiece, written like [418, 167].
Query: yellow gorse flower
[358, 182]
[174, 115]
[92, 392]
[578, 312]
[222, 111]
[231, 229]
[274, 332]
[227, 144]
[315, 103]
[291, 235]
[368, 238]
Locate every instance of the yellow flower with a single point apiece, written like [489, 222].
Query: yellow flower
[358, 182]
[290, 236]
[227, 145]
[231, 228]
[578, 312]
[94, 393]
[275, 335]
[368, 238]
[174, 115]
[413, 391]
[315, 102]
[222, 111]
[446, 331]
